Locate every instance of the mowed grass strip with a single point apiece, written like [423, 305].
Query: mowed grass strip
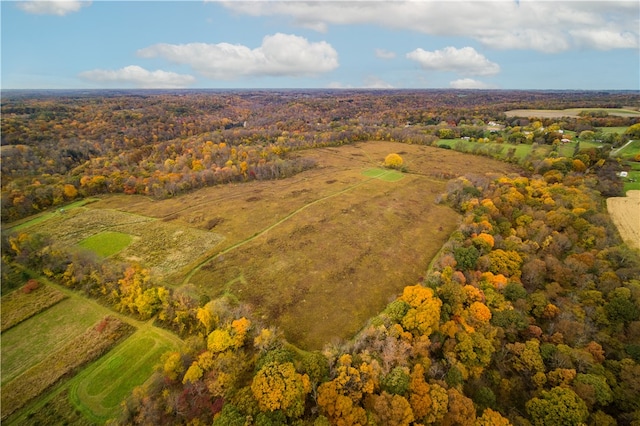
[18, 306]
[386, 175]
[98, 391]
[33, 340]
[106, 243]
[76, 353]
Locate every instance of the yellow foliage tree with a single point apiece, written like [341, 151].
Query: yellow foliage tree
[491, 418]
[219, 341]
[240, 327]
[70, 192]
[393, 161]
[479, 313]
[419, 396]
[423, 316]
[193, 374]
[340, 409]
[279, 387]
[392, 410]
[439, 404]
[172, 365]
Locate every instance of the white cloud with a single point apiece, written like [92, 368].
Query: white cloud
[370, 82]
[547, 26]
[52, 7]
[385, 54]
[465, 61]
[373, 82]
[139, 77]
[279, 55]
[468, 83]
[602, 39]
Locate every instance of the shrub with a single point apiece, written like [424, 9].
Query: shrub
[30, 286]
[393, 161]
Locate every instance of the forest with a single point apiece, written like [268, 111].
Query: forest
[528, 315]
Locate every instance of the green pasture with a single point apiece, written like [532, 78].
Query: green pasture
[632, 182]
[99, 389]
[387, 175]
[500, 150]
[629, 151]
[610, 130]
[107, 243]
[31, 341]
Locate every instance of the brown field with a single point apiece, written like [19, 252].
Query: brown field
[571, 112]
[321, 252]
[625, 212]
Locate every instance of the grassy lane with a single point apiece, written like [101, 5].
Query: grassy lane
[98, 390]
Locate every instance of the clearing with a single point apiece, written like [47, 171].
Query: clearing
[570, 112]
[316, 254]
[625, 212]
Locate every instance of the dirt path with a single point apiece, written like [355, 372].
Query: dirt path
[625, 213]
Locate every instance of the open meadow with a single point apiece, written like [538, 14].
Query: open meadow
[571, 112]
[316, 254]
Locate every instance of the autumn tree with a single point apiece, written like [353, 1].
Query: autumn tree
[279, 387]
[393, 161]
[558, 406]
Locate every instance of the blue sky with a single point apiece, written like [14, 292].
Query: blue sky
[504, 44]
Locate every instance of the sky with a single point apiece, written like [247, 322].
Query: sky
[418, 44]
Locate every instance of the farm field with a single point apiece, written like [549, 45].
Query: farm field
[625, 214]
[99, 389]
[499, 150]
[46, 347]
[19, 306]
[319, 253]
[570, 112]
[51, 329]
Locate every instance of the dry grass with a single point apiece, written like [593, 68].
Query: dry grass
[625, 212]
[316, 254]
[163, 247]
[571, 112]
[18, 306]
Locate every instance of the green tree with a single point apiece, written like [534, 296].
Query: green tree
[559, 406]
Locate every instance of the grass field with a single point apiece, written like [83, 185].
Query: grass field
[383, 174]
[43, 217]
[18, 306]
[33, 340]
[161, 246]
[609, 130]
[316, 254]
[65, 361]
[319, 253]
[98, 391]
[106, 243]
[571, 112]
[500, 150]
